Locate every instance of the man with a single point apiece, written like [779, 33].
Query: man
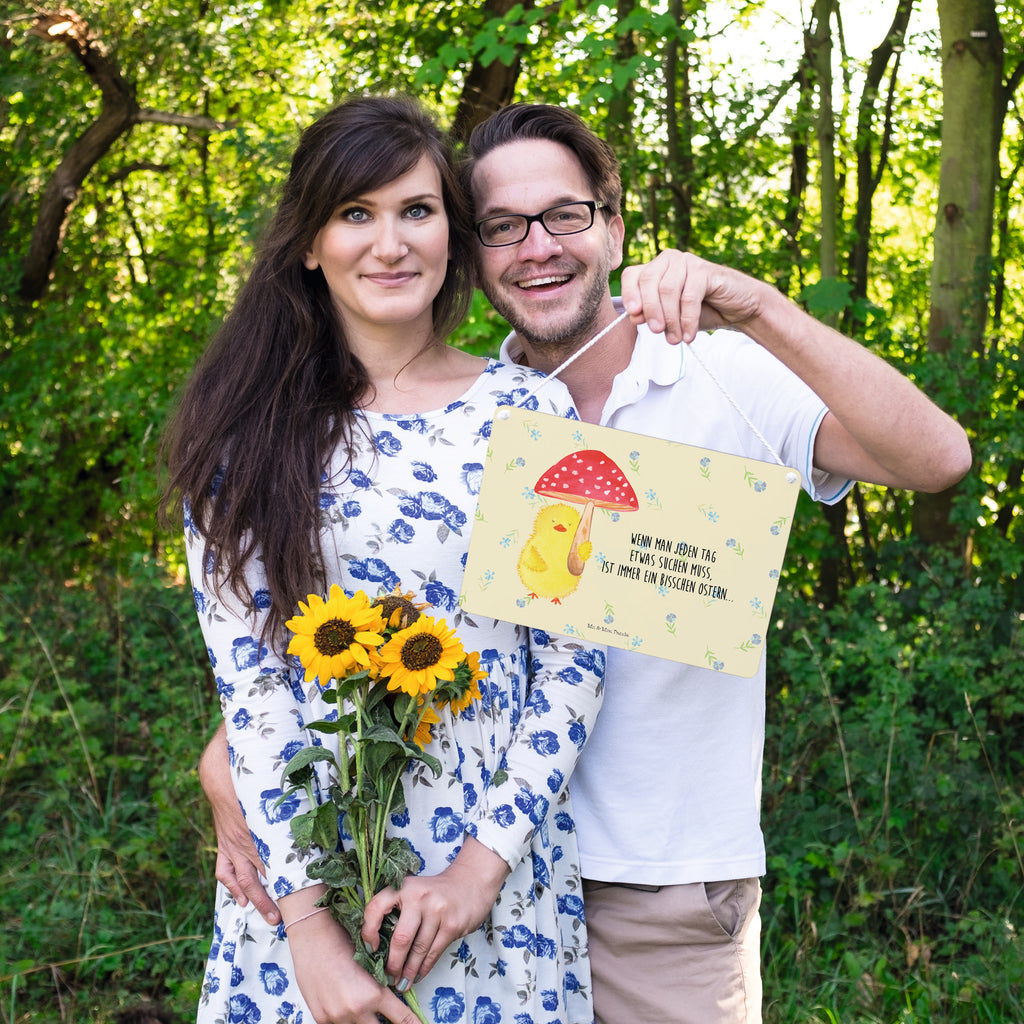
[667, 792]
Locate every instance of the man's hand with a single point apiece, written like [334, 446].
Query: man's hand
[435, 910]
[678, 293]
[880, 427]
[238, 864]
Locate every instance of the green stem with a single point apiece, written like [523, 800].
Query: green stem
[411, 718]
[414, 1004]
[360, 833]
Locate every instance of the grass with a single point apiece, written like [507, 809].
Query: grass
[893, 810]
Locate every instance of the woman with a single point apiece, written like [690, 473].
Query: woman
[329, 435]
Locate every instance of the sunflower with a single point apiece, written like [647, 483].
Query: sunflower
[417, 657]
[332, 637]
[399, 609]
[472, 691]
[423, 734]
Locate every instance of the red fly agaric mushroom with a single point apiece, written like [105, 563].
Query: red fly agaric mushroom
[592, 479]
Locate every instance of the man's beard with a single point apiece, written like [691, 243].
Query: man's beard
[567, 336]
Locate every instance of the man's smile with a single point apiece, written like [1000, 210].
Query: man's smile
[540, 282]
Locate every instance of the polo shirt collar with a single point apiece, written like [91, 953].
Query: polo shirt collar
[653, 361]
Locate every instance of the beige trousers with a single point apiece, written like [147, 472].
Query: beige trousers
[675, 954]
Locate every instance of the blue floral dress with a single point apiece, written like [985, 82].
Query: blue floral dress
[401, 516]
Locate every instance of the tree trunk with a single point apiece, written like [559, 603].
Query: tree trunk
[973, 105]
[819, 55]
[679, 132]
[487, 89]
[117, 115]
[869, 170]
[619, 131]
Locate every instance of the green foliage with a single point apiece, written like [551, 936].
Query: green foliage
[893, 780]
[107, 866]
[893, 803]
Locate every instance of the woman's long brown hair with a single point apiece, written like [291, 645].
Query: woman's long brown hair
[273, 396]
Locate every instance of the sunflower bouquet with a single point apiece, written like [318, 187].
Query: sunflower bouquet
[389, 669]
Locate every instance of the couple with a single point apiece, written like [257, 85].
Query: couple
[666, 794]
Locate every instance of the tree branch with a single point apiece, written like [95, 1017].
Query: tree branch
[206, 124]
[119, 112]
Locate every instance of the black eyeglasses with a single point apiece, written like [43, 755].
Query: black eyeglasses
[564, 219]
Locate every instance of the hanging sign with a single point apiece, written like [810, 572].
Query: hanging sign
[627, 540]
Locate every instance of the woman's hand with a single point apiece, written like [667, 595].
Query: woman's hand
[435, 910]
[336, 989]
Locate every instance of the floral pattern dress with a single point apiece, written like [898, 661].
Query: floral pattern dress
[402, 516]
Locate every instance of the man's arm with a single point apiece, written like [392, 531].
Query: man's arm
[238, 864]
[880, 428]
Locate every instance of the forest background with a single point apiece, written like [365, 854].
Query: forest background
[866, 158]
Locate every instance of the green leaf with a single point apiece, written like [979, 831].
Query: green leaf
[299, 769]
[385, 756]
[429, 760]
[827, 298]
[303, 826]
[398, 861]
[372, 963]
[328, 726]
[339, 870]
[325, 826]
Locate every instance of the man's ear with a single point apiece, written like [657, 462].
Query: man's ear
[616, 236]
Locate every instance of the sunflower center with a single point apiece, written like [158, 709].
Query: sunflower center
[391, 603]
[421, 651]
[334, 636]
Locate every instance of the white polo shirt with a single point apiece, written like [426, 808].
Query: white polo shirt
[668, 789]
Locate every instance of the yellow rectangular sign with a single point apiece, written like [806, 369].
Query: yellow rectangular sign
[621, 539]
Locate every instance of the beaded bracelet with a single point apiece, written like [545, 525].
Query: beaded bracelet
[312, 913]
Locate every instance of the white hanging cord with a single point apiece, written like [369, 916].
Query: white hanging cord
[693, 352]
[732, 401]
[593, 341]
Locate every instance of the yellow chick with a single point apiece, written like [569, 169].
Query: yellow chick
[543, 563]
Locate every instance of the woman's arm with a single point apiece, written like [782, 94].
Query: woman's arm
[565, 693]
[336, 989]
